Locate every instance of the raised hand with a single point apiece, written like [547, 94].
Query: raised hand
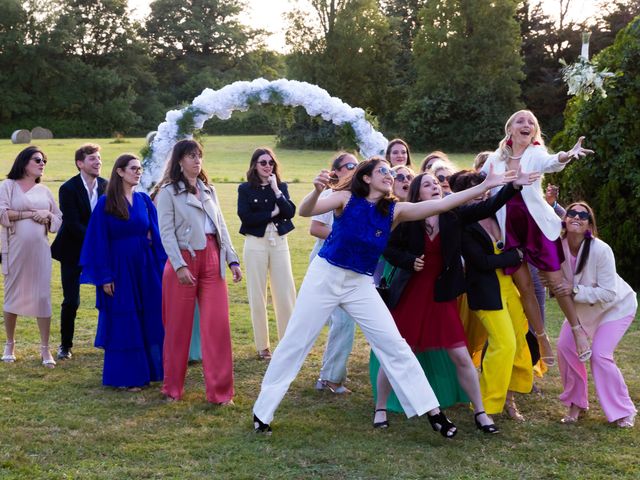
[577, 151]
[322, 180]
[494, 179]
[525, 178]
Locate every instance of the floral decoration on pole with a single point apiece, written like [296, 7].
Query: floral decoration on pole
[240, 96]
[582, 77]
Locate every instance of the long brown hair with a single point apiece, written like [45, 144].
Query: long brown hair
[398, 141]
[252, 174]
[116, 203]
[173, 171]
[362, 189]
[588, 238]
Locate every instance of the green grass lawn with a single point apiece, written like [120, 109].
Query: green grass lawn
[62, 423]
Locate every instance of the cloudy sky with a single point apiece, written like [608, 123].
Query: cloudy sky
[267, 14]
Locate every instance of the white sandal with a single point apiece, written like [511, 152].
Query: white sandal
[8, 355]
[49, 362]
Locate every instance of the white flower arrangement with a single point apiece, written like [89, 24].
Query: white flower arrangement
[582, 77]
[241, 95]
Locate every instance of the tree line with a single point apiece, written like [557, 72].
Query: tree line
[440, 73]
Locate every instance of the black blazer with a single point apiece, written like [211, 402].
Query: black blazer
[481, 262]
[76, 210]
[255, 204]
[407, 243]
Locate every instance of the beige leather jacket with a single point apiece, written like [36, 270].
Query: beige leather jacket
[181, 218]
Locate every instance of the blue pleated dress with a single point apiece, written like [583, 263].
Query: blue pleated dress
[130, 254]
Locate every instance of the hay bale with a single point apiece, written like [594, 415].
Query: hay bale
[150, 136]
[21, 136]
[40, 133]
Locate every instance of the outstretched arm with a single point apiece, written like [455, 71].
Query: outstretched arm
[312, 204]
[576, 152]
[406, 211]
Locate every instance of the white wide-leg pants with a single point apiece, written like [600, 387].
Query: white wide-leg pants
[324, 288]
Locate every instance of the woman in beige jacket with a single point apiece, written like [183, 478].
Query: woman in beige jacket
[195, 237]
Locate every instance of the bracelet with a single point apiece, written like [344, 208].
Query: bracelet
[19, 214]
[577, 327]
[543, 334]
[234, 264]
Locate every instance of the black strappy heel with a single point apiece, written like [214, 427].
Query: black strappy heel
[384, 424]
[440, 423]
[491, 428]
[260, 427]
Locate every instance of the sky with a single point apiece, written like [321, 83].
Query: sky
[267, 14]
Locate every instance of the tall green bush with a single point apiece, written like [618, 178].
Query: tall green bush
[610, 179]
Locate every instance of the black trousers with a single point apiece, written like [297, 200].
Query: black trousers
[70, 274]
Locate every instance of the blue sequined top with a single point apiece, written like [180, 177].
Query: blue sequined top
[358, 237]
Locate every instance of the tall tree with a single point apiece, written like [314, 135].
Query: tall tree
[202, 46]
[467, 56]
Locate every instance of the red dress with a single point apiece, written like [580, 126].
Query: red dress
[423, 322]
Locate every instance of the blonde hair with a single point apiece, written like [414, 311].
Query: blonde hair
[504, 149]
[436, 154]
[480, 160]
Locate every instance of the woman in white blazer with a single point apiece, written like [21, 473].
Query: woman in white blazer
[197, 242]
[528, 222]
[606, 306]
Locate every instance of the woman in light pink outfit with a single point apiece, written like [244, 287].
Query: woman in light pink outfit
[606, 306]
[28, 212]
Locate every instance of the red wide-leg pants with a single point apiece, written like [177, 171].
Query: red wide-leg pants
[178, 307]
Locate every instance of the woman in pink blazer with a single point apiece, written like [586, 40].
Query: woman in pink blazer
[606, 306]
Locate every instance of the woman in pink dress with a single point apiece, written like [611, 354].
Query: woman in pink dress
[28, 212]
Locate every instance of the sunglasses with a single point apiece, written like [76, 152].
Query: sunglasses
[401, 177]
[349, 166]
[387, 171]
[136, 169]
[441, 178]
[575, 214]
[39, 160]
[264, 163]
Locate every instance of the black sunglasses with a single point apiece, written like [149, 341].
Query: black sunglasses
[39, 160]
[575, 214]
[264, 163]
[349, 166]
[441, 178]
[401, 177]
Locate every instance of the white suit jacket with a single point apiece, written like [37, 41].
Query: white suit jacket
[534, 159]
[603, 296]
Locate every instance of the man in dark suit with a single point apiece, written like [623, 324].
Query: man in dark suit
[78, 197]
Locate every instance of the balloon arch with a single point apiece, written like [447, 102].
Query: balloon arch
[241, 95]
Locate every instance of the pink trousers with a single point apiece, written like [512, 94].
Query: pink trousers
[610, 387]
[178, 306]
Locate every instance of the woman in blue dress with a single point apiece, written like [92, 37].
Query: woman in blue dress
[122, 256]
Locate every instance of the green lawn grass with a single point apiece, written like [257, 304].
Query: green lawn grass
[62, 423]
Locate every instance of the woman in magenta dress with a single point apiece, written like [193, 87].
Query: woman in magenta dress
[528, 222]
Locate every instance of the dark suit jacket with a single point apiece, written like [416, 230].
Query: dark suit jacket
[255, 205]
[407, 242]
[481, 262]
[76, 210]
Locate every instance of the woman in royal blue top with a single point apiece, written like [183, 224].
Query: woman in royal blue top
[122, 256]
[341, 276]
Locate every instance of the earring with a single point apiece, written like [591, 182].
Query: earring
[564, 224]
[588, 235]
[509, 142]
[181, 169]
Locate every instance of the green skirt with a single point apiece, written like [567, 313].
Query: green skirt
[441, 373]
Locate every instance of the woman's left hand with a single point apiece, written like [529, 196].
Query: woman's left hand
[237, 273]
[41, 216]
[577, 151]
[525, 178]
[494, 179]
[561, 290]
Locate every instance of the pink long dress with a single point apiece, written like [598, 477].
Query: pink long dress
[26, 256]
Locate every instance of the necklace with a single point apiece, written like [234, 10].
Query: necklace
[514, 157]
